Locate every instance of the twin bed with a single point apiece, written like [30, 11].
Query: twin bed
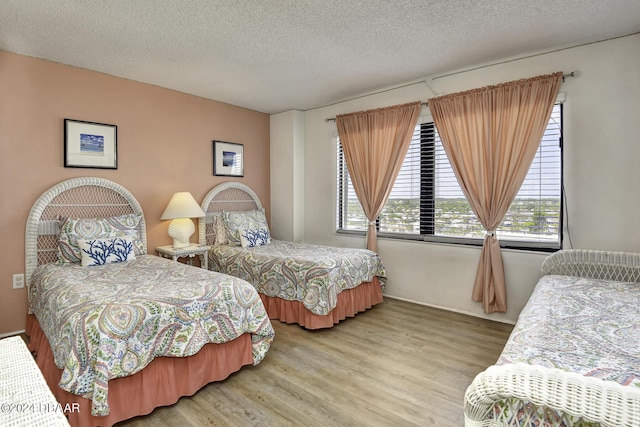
[314, 286]
[135, 325]
[107, 321]
[573, 358]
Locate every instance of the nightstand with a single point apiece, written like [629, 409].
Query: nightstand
[190, 251]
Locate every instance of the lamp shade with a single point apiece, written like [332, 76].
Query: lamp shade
[181, 208]
[182, 205]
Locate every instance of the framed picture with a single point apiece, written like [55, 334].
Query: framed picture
[228, 159]
[90, 145]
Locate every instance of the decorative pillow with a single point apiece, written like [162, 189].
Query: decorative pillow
[106, 251]
[73, 229]
[219, 229]
[252, 237]
[246, 220]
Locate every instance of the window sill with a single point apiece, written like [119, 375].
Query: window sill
[453, 241]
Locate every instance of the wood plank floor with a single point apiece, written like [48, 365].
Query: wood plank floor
[398, 364]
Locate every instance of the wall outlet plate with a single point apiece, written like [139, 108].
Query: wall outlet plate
[18, 281]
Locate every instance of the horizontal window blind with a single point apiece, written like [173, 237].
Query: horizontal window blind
[350, 215]
[535, 214]
[401, 213]
[426, 199]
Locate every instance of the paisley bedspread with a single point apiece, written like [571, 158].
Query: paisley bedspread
[580, 325]
[312, 274]
[110, 321]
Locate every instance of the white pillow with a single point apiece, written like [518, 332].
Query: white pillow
[106, 251]
[250, 238]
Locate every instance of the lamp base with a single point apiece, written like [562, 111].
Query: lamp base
[180, 230]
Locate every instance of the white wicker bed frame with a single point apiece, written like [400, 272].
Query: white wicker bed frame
[597, 401]
[92, 197]
[85, 197]
[228, 196]
[235, 196]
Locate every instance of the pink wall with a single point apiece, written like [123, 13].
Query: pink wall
[164, 146]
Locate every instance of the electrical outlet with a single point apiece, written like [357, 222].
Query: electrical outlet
[18, 281]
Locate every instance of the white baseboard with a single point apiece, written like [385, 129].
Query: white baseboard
[10, 334]
[509, 322]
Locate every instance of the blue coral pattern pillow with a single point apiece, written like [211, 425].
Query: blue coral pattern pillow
[234, 221]
[252, 237]
[73, 229]
[106, 251]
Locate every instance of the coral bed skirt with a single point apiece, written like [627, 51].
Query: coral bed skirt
[350, 302]
[160, 383]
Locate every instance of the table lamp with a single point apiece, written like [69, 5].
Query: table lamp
[181, 208]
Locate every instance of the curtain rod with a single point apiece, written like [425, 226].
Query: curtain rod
[424, 104]
[333, 119]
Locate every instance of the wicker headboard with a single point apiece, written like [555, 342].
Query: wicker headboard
[86, 197]
[228, 196]
[594, 264]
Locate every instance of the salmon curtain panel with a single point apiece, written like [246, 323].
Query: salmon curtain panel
[374, 144]
[491, 136]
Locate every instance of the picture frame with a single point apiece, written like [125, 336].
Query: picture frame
[90, 145]
[228, 159]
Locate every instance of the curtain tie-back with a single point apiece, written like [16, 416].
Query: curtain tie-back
[490, 233]
[372, 223]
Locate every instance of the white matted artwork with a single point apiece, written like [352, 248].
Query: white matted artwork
[228, 159]
[90, 145]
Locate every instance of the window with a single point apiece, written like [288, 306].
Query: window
[426, 202]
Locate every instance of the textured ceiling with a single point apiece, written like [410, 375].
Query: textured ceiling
[277, 55]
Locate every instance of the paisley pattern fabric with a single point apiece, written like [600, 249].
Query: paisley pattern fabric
[312, 274]
[73, 229]
[236, 220]
[110, 321]
[220, 230]
[580, 325]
